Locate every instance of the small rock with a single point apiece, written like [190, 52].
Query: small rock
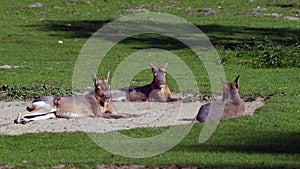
[137, 10]
[296, 11]
[290, 18]
[88, 2]
[8, 67]
[209, 11]
[273, 14]
[258, 8]
[36, 5]
[57, 7]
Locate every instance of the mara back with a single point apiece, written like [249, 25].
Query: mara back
[231, 106]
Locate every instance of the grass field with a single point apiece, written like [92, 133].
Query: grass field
[263, 49]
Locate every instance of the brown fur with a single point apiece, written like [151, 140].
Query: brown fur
[97, 103]
[152, 91]
[231, 106]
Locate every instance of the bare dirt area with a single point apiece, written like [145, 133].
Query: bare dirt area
[152, 114]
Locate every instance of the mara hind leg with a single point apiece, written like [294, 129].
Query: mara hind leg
[40, 114]
[68, 115]
[30, 118]
[38, 108]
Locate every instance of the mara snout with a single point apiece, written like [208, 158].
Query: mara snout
[231, 106]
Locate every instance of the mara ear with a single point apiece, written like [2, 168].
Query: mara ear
[153, 68]
[107, 75]
[236, 82]
[224, 84]
[166, 65]
[94, 78]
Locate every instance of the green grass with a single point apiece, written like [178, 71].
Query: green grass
[263, 50]
[269, 139]
[31, 40]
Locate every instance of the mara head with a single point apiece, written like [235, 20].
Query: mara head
[102, 88]
[159, 75]
[230, 90]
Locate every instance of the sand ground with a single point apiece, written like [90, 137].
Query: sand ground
[153, 114]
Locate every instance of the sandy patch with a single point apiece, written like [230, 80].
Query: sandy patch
[153, 114]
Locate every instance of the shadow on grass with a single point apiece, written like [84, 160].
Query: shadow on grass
[225, 35]
[70, 29]
[287, 143]
[238, 36]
